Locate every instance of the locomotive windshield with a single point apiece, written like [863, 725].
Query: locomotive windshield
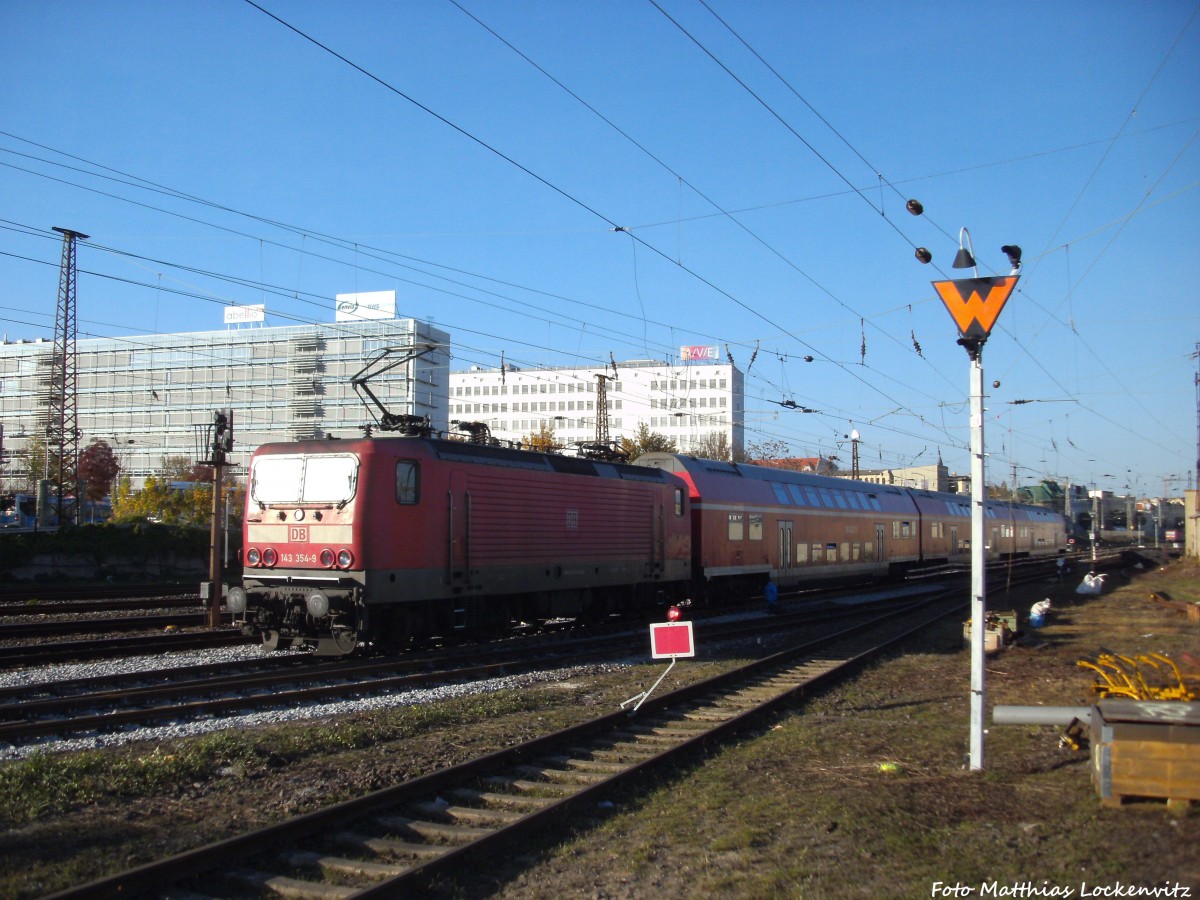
[299, 479]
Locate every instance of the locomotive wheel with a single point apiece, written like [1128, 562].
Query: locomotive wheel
[272, 641]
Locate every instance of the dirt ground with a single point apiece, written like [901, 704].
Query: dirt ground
[862, 791]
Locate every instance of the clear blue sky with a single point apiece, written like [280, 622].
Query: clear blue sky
[763, 210]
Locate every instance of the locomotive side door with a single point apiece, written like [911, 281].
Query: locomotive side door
[458, 551]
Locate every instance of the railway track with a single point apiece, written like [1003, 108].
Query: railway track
[33, 712]
[66, 707]
[40, 607]
[41, 593]
[397, 839]
[28, 655]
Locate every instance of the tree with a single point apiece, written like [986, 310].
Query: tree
[180, 468]
[542, 440]
[768, 449]
[646, 441]
[98, 469]
[158, 501]
[714, 445]
[38, 461]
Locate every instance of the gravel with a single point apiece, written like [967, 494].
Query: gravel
[302, 712]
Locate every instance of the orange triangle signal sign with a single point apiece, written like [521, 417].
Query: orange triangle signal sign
[975, 303]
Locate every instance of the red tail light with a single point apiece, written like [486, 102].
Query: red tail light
[270, 557]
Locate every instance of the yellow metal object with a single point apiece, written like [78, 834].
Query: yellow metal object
[1152, 676]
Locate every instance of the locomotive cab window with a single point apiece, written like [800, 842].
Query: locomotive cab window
[300, 479]
[329, 479]
[408, 482]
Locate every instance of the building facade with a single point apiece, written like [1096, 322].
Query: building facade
[151, 397]
[690, 402]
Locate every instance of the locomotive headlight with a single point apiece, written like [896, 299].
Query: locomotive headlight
[236, 600]
[344, 559]
[253, 556]
[327, 558]
[318, 605]
[270, 557]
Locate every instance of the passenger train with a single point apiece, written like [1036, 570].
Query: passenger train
[386, 541]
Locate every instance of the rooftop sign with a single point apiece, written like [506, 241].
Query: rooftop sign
[696, 354]
[237, 314]
[369, 305]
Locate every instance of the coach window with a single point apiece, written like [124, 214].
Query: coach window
[736, 527]
[756, 525]
[408, 482]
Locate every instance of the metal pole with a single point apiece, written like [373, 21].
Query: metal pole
[978, 560]
[215, 573]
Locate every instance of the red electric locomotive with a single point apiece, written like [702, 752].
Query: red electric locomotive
[754, 522]
[389, 540]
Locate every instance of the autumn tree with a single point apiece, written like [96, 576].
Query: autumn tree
[542, 440]
[158, 501]
[714, 445]
[98, 469]
[646, 441]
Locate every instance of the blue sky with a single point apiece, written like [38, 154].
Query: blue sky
[737, 177]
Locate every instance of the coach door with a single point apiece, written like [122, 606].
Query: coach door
[880, 555]
[953, 540]
[785, 548]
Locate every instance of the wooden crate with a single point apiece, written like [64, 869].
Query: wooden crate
[1146, 748]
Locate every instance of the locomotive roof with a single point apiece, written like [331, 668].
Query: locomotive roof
[478, 454]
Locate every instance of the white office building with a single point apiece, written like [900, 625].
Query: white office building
[689, 401]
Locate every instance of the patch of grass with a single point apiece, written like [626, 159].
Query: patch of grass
[52, 783]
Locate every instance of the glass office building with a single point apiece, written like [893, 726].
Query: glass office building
[152, 396]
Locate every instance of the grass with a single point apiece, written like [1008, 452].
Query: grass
[50, 783]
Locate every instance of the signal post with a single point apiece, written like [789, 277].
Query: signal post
[975, 304]
[220, 446]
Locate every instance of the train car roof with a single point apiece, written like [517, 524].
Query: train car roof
[716, 480]
[719, 480]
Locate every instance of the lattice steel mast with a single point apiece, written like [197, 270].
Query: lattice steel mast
[62, 426]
